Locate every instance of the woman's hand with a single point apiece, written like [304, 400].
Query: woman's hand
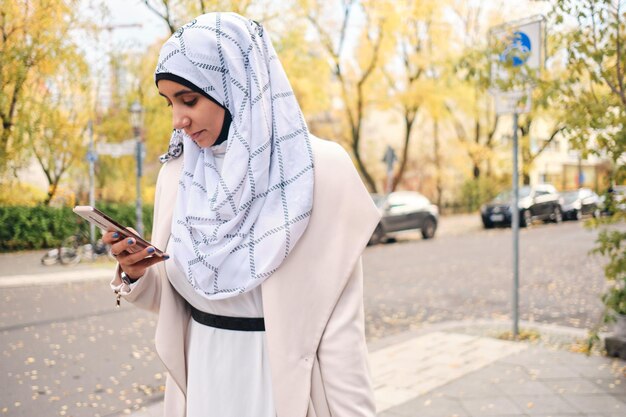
[134, 264]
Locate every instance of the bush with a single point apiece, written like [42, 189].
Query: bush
[610, 244]
[18, 194]
[475, 192]
[44, 227]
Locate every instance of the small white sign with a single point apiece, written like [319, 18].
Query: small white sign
[518, 53]
[508, 102]
[127, 147]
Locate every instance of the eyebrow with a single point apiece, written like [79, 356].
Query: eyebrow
[178, 93]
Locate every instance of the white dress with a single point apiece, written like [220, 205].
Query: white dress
[228, 372]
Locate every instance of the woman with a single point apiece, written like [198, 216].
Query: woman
[260, 303]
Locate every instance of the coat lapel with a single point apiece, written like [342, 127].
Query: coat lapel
[171, 331]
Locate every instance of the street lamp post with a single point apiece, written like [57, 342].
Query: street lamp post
[136, 120]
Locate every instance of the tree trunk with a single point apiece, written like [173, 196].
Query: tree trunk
[408, 124]
[6, 132]
[52, 189]
[476, 170]
[369, 182]
[357, 122]
[439, 184]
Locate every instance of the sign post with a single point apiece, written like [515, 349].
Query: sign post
[92, 157]
[390, 158]
[519, 52]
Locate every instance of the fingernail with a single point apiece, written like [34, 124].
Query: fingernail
[166, 257]
[150, 250]
[115, 235]
[131, 241]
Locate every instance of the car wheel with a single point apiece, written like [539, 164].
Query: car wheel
[578, 214]
[596, 213]
[377, 236]
[557, 215]
[51, 257]
[526, 219]
[487, 225]
[428, 228]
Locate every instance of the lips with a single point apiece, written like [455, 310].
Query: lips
[196, 135]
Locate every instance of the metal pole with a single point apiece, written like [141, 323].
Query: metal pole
[580, 170]
[515, 227]
[138, 208]
[92, 191]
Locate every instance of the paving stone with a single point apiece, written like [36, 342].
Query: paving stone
[616, 386]
[469, 388]
[498, 372]
[547, 404]
[562, 415]
[573, 386]
[600, 403]
[525, 387]
[432, 406]
[591, 371]
[388, 413]
[401, 372]
[390, 396]
[554, 371]
[491, 406]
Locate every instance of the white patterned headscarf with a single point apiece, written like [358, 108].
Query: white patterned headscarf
[232, 230]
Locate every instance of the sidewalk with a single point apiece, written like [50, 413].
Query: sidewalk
[455, 370]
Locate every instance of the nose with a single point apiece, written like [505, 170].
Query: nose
[179, 119]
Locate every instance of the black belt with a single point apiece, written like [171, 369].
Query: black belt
[244, 324]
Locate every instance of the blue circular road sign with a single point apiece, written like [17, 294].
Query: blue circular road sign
[517, 50]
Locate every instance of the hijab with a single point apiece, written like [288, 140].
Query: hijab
[232, 228]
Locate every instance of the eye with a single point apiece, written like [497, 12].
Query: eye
[190, 103]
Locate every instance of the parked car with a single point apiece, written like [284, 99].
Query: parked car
[539, 202]
[618, 203]
[579, 203]
[404, 210]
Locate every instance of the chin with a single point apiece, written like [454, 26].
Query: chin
[205, 143]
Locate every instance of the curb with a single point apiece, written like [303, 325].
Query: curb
[56, 278]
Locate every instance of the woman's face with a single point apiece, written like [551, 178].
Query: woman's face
[198, 116]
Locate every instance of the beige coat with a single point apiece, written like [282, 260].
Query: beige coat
[313, 304]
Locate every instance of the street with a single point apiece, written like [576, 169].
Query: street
[68, 351]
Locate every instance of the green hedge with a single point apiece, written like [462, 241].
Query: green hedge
[45, 227]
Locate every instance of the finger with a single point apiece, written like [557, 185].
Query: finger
[139, 268]
[111, 237]
[123, 245]
[133, 258]
[147, 262]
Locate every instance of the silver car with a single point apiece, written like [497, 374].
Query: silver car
[579, 203]
[404, 210]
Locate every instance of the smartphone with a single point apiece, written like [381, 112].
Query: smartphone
[106, 223]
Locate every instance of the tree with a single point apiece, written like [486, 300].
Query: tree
[471, 109]
[56, 111]
[34, 39]
[421, 44]
[594, 35]
[175, 13]
[353, 72]
[547, 106]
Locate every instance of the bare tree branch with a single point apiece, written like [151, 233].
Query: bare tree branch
[166, 16]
